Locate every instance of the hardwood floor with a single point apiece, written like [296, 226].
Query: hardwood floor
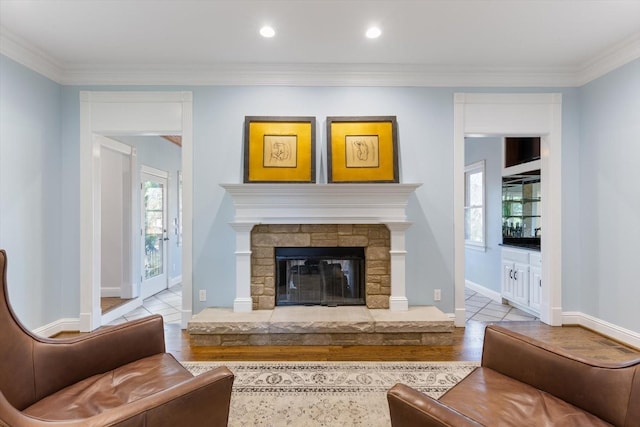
[467, 346]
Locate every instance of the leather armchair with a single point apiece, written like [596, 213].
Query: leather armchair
[116, 376]
[524, 382]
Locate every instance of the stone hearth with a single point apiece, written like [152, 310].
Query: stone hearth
[298, 325]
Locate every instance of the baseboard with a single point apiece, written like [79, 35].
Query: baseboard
[60, 325]
[175, 280]
[110, 292]
[186, 317]
[489, 293]
[607, 329]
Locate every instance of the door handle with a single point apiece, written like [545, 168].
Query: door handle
[166, 238]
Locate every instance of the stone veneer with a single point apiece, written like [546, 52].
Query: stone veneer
[375, 238]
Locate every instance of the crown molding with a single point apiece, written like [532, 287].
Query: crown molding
[31, 57]
[614, 57]
[320, 74]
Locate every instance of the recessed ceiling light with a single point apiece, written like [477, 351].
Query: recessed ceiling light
[267, 31]
[373, 32]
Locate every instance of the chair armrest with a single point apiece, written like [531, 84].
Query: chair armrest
[202, 400]
[409, 407]
[61, 362]
[557, 372]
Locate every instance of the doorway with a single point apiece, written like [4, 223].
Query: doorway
[154, 233]
[493, 114]
[128, 113]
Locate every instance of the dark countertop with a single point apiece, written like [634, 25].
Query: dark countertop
[528, 246]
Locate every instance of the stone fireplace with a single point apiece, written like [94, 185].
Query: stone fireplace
[321, 215]
[374, 239]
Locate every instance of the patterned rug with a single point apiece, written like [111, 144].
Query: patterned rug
[327, 393]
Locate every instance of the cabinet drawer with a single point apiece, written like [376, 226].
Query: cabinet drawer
[516, 256]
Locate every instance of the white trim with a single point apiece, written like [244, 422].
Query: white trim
[57, 326]
[319, 74]
[470, 169]
[320, 204]
[175, 280]
[159, 173]
[514, 114]
[612, 58]
[127, 113]
[625, 336]
[30, 56]
[489, 293]
[110, 291]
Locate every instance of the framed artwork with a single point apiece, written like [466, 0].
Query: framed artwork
[279, 149]
[362, 149]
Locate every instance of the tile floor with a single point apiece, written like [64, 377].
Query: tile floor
[168, 303]
[479, 308]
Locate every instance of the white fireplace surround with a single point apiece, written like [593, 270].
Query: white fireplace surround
[320, 204]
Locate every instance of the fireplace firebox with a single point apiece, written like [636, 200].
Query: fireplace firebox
[328, 276]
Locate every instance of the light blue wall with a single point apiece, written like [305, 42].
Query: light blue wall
[484, 267]
[594, 283]
[610, 197]
[30, 190]
[161, 154]
[425, 127]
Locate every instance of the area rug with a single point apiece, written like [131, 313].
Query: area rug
[327, 393]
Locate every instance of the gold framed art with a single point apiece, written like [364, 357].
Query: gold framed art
[362, 149]
[279, 149]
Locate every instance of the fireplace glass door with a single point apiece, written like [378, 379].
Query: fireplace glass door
[320, 276]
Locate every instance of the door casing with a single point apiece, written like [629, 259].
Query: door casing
[128, 113]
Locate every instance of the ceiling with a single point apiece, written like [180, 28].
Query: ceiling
[423, 42]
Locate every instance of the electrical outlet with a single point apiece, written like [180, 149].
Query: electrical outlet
[203, 295]
[437, 295]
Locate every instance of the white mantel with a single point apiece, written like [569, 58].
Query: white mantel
[320, 204]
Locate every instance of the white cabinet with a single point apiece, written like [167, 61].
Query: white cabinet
[521, 283]
[535, 280]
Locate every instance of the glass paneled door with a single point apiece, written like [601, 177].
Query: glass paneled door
[154, 231]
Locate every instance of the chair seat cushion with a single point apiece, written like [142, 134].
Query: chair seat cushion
[112, 389]
[491, 398]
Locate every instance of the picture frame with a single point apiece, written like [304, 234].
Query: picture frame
[362, 149]
[279, 149]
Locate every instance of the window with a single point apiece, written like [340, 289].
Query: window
[474, 189]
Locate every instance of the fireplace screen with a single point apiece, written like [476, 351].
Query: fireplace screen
[320, 276]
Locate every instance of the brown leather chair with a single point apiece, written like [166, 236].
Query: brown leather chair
[116, 376]
[525, 382]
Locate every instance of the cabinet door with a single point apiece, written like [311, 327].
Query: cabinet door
[535, 287]
[507, 279]
[521, 283]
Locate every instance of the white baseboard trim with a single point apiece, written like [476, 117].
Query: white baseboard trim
[110, 292]
[489, 293]
[57, 326]
[186, 317]
[175, 280]
[610, 330]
